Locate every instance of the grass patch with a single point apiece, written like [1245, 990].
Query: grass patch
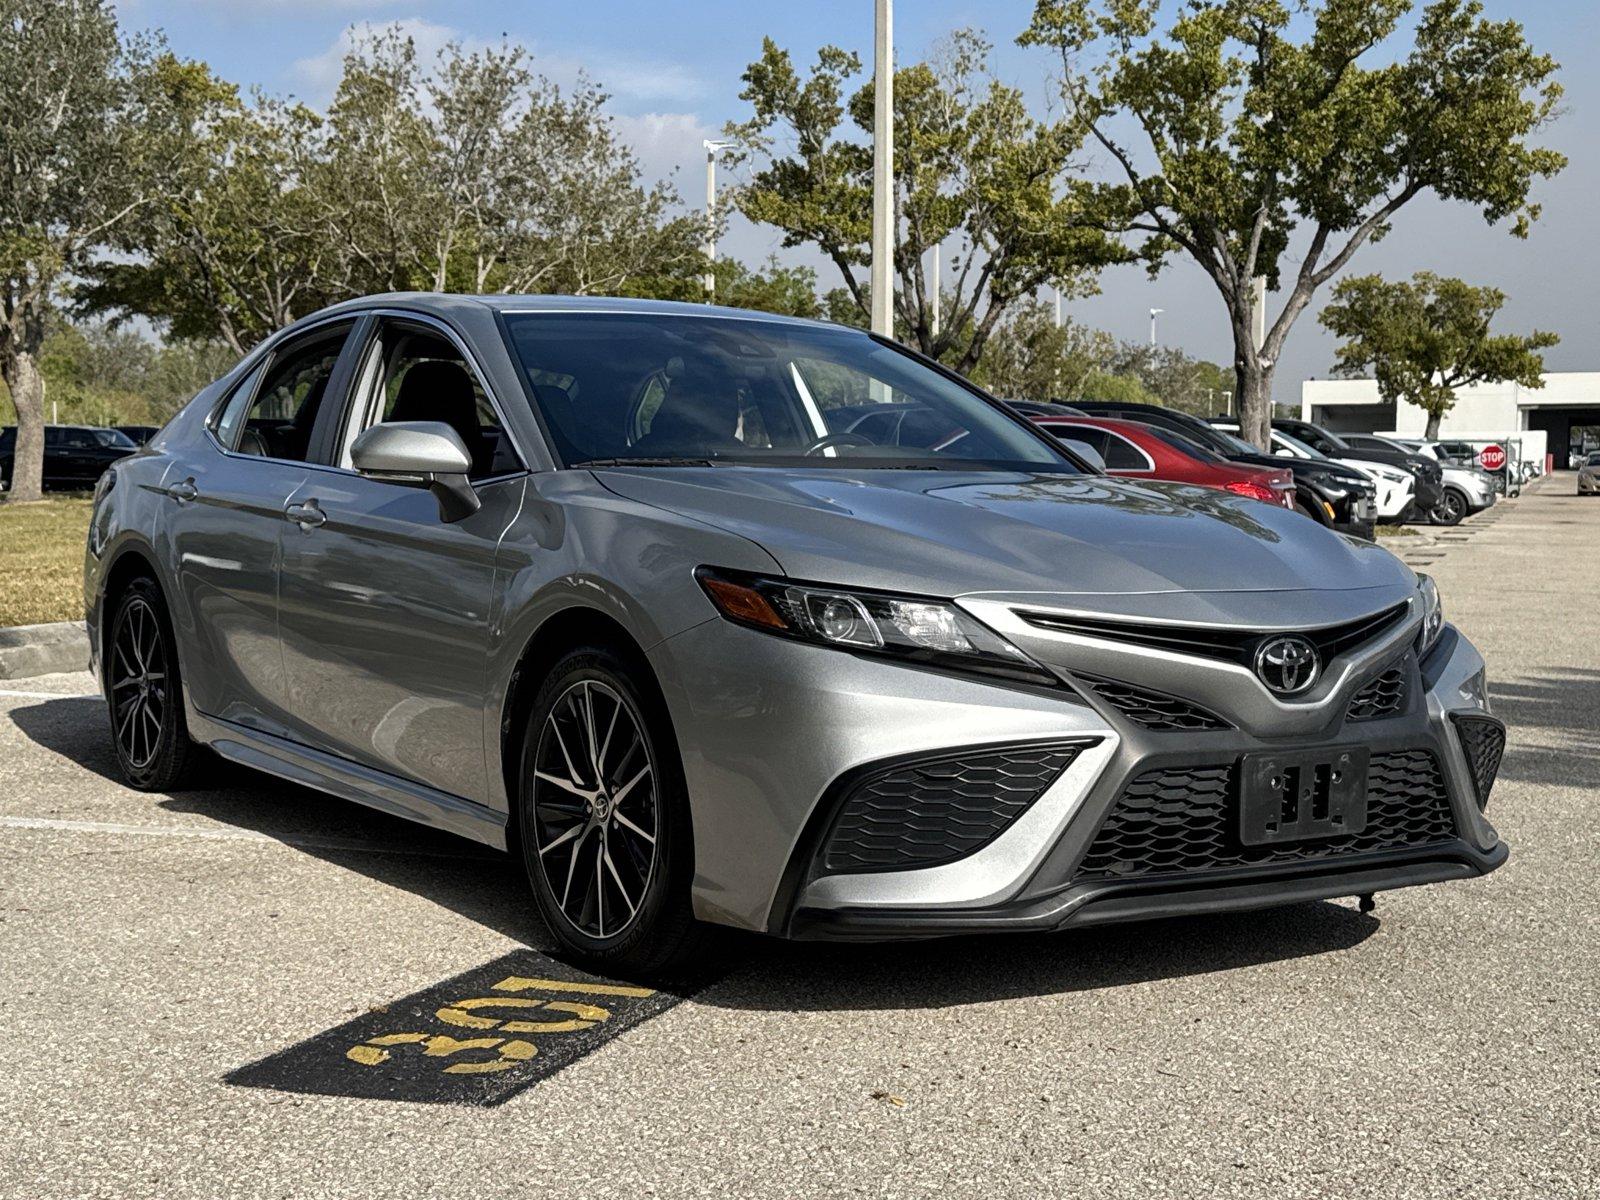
[41, 560]
[1396, 531]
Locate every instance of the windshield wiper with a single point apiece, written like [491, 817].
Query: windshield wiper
[645, 462]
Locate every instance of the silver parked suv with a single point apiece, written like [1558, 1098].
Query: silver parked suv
[646, 594]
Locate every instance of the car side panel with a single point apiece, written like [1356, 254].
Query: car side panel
[384, 618]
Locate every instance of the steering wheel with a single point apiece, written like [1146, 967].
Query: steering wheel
[838, 439]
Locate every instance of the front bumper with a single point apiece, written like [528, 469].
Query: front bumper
[1588, 484]
[774, 731]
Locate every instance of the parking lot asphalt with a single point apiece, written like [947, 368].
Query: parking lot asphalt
[1448, 1044]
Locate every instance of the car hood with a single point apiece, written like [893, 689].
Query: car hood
[952, 533]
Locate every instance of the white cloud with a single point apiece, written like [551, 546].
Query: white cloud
[318, 76]
[628, 78]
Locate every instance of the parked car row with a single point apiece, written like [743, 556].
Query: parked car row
[75, 456]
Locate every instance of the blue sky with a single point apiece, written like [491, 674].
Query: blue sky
[673, 70]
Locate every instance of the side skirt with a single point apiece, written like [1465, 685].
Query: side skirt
[350, 781]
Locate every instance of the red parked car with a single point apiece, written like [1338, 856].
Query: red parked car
[1138, 451]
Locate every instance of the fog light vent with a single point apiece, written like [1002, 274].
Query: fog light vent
[1484, 740]
[930, 811]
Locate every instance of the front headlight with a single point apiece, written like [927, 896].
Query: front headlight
[1432, 614]
[914, 629]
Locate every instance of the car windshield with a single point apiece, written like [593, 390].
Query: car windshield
[1594, 459]
[664, 390]
[1186, 445]
[1297, 445]
[114, 438]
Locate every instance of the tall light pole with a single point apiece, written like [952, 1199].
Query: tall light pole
[936, 291]
[883, 230]
[711, 217]
[1154, 313]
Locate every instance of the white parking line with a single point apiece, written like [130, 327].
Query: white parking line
[237, 835]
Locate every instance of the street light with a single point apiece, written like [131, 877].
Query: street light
[883, 230]
[712, 148]
[1154, 313]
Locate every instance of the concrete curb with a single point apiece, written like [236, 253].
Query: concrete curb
[27, 650]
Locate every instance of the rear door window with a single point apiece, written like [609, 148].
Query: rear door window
[282, 408]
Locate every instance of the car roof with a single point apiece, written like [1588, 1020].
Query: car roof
[1112, 424]
[446, 303]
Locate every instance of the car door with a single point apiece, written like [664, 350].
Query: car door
[384, 606]
[224, 523]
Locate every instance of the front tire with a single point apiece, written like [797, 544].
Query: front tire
[145, 692]
[1451, 509]
[604, 819]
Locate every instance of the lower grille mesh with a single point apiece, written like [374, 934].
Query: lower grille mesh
[1181, 819]
[937, 810]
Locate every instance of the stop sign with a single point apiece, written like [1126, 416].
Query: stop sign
[1492, 458]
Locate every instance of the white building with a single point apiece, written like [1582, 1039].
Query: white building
[1544, 420]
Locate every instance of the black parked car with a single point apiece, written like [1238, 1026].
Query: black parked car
[1331, 494]
[139, 435]
[75, 456]
[1429, 489]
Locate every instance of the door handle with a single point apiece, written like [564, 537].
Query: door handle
[307, 515]
[183, 492]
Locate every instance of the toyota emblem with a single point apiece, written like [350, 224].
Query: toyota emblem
[1288, 665]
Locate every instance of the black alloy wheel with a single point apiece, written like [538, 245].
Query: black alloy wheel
[142, 684]
[603, 818]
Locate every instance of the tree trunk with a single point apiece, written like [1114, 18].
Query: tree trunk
[1253, 393]
[1432, 433]
[21, 373]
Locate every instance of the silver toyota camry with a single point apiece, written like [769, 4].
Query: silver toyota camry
[717, 618]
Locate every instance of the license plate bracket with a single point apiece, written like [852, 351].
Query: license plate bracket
[1302, 795]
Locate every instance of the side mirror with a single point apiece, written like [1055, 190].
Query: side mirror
[1086, 452]
[420, 454]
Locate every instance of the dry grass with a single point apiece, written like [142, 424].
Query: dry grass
[41, 560]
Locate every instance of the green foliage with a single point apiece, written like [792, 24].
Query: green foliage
[1259, 120]
[1030, 357]
[1427, 337]
[79, 158]
[476, 174]
[99, 375]
[972, 167]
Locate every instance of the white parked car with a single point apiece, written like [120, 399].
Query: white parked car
[1394, 486]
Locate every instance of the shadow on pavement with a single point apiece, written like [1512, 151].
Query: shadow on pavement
[487, 887]
[1564, 705]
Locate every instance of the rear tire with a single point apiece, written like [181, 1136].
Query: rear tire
[603, 820]
[145, 692]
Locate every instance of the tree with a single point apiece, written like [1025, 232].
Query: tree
[970, 165]
[476, 174]
[76, 163]
[1030, 357]
[243, 242]
[1251, 137]
[1426, 338]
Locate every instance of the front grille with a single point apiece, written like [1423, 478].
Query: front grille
[937, 810]
[1484, 740]
[1385, 696]
[1184, 819]
[1229, 645]
[1154, 710]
